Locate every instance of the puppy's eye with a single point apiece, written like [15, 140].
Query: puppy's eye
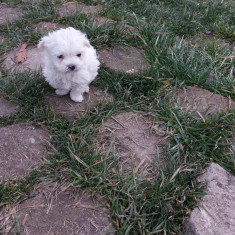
[60, 56]
[79, 55]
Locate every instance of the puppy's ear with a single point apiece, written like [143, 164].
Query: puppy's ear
[43, 42]
[87, 43]
[82, 35]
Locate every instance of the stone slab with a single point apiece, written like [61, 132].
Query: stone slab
[124, 59]
[21, 149]
[45, 27]
[8, 13]
[134, 138]
[70, 8]
[56, 211]
[122, 28]
[69, 109]
[215, 213]
[103, 20]
[32, 62]
[204, 102]
[7, 108]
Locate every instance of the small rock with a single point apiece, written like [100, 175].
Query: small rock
[209, 34]
[33, 194]
[32, 140]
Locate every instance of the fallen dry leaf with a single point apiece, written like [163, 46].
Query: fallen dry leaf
[21, 55]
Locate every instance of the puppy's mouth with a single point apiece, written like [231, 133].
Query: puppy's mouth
[69, 71]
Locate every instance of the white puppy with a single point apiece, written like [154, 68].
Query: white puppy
[70, 63]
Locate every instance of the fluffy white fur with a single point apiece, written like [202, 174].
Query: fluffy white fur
[70, 62]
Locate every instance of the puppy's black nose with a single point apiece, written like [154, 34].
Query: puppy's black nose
[71, 67]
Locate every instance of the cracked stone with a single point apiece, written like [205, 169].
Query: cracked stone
[54, 210]
[215, 213]
[8, 13]
[7, 108]
[69, 109]
[124, 59]
[21, 149]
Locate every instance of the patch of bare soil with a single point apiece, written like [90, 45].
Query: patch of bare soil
[69, 109]
[136, 140]
[8, 13]
[21, 149]
[56, 211]
[124, 59]
[204, 102]
[32, 62]
[70, 8]
[7, 108]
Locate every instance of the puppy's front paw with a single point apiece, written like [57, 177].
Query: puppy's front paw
[61, 92]
[87, 89]
[76, 97]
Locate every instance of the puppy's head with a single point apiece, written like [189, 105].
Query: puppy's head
[66, 49]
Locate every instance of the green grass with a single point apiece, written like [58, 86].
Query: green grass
[167, 32]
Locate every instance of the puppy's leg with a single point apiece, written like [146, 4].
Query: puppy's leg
[61, 92]
[76, 93]
[87, 89]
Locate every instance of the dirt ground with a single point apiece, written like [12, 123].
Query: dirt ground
[21, 149]
[136, 139]
[56, 210]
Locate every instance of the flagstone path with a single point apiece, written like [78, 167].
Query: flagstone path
[138, 139]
